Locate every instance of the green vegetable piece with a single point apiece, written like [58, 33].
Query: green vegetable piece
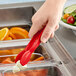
[75, 23]
[64, 20]
[75, 17]
[70, 8]
[73, 13]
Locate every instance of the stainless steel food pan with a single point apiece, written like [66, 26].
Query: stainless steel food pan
[64, 63]
[60, 59]
[16, 17]
[48, 65]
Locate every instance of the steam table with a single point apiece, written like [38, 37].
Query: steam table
[66, 36]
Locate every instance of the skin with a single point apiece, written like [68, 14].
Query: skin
[49, 14]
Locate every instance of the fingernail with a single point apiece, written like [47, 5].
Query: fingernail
[52, 35]
[43, 40]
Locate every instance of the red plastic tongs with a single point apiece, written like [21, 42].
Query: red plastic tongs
[24, 56]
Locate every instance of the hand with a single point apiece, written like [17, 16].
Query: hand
[49, 14]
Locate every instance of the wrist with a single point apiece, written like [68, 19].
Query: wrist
[57, 2]
[63, 1]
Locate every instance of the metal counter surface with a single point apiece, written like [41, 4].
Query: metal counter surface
[68, 39]
[19, 1]
[16, 1]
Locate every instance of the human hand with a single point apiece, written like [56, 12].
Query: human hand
[49, 14]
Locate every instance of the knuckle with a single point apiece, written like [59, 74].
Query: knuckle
[50, 28]
[58, 26]
[32, 19]
[52, 21]
[52, 35]
[35, 20]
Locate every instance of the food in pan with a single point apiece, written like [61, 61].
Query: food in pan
[7, 61]
[19, 32]
[13, 33]
[4, 33]
[11, 51]
[39, 59]
[69, 16]
[19, 67]
[6, 53]
[10, 59]
[39, 72]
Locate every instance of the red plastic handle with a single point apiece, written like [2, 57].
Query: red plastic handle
[24, 56]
